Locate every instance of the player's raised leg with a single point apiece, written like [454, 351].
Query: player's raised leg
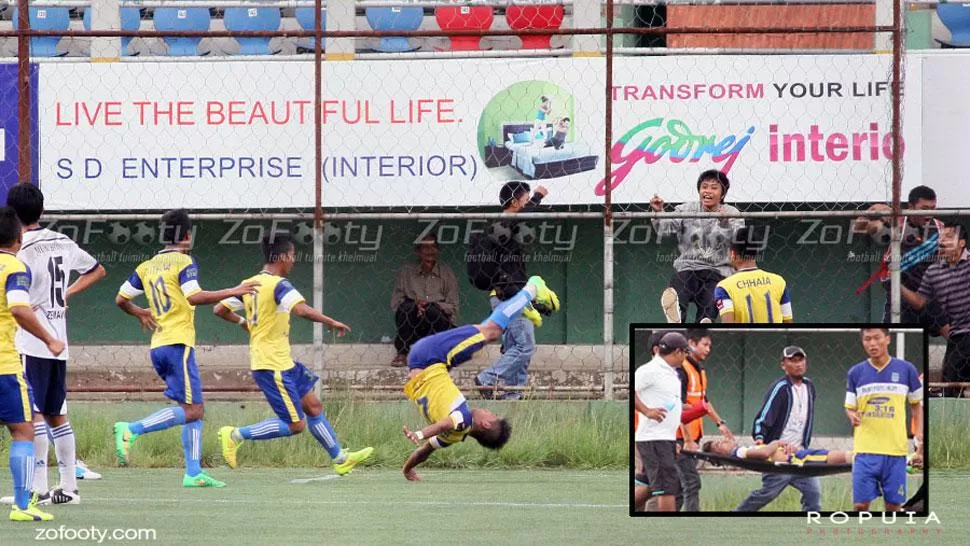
[534, 290]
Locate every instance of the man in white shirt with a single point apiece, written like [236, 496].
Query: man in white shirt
[787, 414]
[658, 398]
[50, 257]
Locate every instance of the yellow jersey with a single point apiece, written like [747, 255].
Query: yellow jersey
[167, 280]
[438, 398]
[880, 395]
[268, 313]
[754, 296]
[14, 291]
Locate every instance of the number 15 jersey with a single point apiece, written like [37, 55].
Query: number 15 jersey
[51, 257]
[167, 280]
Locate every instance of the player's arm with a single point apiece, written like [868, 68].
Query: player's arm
[417, 457]
[128, 291]
[786, 312]
[763, 452]
[85, 281]
[305, 311]
[445, 425]
[226, 310]
[915, 399]
[725, 306]
[850, 403]
[195, 295]
[18, 301]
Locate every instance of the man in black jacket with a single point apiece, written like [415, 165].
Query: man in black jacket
[519, 340]
[787, 414]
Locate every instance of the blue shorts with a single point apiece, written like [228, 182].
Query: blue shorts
[879, 475]
[284, 390]
[175, 364]
[16, 399]
[434, 349]
[809, 456]
[48, 380]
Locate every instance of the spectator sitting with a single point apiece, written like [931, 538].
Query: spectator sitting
[425, 299]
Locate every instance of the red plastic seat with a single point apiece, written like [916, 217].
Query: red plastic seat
[464, 18]
[535, 17]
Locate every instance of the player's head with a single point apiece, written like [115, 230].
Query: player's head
[921, 198]
[712, 187]
[794, 361]
[11, 230]
[673, 348]
[514, 195]
[28, 202]
[953, 238]
[176, 228]
[279, 251]
[722, 446]
[699, 344]
[875, 341]
[747, 243]
[490, 430]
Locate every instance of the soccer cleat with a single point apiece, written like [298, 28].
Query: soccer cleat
[42, 499]
[353, 458]
[533, 315]
[544, 294]
[229, 446]
[82, 472]
[60, 496]
[671, 305]
[201, 480]
[31, 513]
[124, 438]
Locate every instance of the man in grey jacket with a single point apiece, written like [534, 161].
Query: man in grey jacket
[703, 244]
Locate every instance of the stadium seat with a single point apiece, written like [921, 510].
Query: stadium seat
[535, 18]
[46, 19]
[304, 16]
[130, 20]
[240, 18]
[394, 19]
[955, 17]
[464, 18]
[193, 19]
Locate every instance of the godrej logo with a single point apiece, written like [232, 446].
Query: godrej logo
[653, 139]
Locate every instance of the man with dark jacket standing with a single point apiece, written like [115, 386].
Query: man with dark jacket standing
[787, 414]
[519, 339]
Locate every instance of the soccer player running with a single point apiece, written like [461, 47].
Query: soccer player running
[16, 399]
[877, 392]
[51, 257]
[752, 295]
[442, 404]
[287, 385]
[170, 282]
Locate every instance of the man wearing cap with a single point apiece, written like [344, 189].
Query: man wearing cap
[787, 414]
[658, 398]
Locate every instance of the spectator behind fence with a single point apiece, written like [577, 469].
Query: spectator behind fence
[945, 283]
[425, 298]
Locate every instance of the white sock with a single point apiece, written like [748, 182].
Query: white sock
[64, 448]
[41, 447]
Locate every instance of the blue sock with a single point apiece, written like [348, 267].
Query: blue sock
[266, 430]
[22, 468]
[160, 420]
[321, 430]
[506, 311]
[192, 447]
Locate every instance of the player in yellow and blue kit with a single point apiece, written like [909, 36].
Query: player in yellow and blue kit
[777, 452]
[170, 282]
[751, 295]
[16, 400]
[440, 401]
[287, 385]
[877, 392]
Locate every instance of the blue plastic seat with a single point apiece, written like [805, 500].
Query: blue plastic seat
[304, 16]
[130, 20]
[252, 19]
[955, 17]
[195, 19]
[46, 19]
[394, 19]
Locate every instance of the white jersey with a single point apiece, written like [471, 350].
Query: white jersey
[51, 257]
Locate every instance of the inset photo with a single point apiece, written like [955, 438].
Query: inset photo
[805, 418]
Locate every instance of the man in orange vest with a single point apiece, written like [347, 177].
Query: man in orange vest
[693, 379]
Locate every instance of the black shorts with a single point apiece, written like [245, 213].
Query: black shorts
[48, 380]
[660, 462]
